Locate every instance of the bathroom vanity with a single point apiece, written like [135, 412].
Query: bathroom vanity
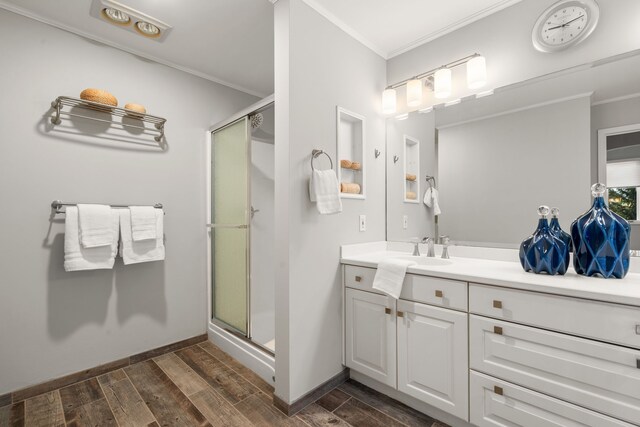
[480, 339]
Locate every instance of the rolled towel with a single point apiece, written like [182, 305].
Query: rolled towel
[349, 187]
[411, 195]
[96, 226]
[411, 177]
[143, 223]
[77, 257]
[346, 164]
[356, 166]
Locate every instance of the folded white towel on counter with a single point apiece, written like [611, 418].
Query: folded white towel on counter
[143, 222]
[133, 252]
[390, 276]
[431, 200]
[96, 225]
[324, 191]
[77, 257]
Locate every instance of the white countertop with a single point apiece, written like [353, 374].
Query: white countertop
[507, 274]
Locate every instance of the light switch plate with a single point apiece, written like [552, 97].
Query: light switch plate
[405, 222]
[363, 223]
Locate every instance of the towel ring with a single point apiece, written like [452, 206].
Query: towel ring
[315, 153]
[431, 180]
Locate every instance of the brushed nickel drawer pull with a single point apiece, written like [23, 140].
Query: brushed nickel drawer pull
[400, 314]
[439, 294]
[387, 310]
[497, 330]
[358, 278]
[638, 363]
[497, 304]
[498, 390]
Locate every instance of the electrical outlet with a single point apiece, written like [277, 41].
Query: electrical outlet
[363, 223]
[405, 222]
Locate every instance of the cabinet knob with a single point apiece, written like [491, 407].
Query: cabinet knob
[497, 330]
[498, 390]
[439, 294]
[497, 304]
[358, 278]
[387, 310]
[400, 314]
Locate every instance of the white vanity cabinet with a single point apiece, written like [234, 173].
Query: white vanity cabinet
[425, 344]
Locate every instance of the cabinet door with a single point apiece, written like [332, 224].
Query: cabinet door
[432, 356]
[371, 335]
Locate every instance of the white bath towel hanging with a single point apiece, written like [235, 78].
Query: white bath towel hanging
[77, 257]
[324, 191]
[390, 274]
[95, 225]
[145, 250]
[431, 200]
[143, 223]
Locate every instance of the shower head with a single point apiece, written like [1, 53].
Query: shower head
[256, 120]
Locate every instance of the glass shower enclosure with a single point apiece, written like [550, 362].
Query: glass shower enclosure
[241, 227]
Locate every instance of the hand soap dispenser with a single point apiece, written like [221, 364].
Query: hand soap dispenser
[600, 240]
[543, 251]
[554, 226]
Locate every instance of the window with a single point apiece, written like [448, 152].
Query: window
[624, 202]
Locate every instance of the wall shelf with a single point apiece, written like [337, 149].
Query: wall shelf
[351, 146]
[135, 120]
[411, 167]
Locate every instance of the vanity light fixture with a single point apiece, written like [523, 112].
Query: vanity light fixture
[129, 19]
[439, 80]
[389, 101]
[414, 92]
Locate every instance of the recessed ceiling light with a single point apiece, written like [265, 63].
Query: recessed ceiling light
[147, 29]
[116, 16]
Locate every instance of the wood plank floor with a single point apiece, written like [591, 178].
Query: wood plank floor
[200, 386]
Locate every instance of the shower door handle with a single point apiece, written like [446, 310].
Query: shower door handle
[227, 226]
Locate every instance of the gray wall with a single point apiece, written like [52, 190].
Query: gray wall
[420, 218]
[609, 115]
[318, 67]
[53, 323]
[495, 172]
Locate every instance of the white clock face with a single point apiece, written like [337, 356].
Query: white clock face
[564, 26]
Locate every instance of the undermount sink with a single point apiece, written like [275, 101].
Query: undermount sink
[423, 260]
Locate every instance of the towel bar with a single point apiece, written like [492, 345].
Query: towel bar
[57, 206]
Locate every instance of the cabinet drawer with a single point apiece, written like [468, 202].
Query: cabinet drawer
[603, 377]
[499, 403]
[428, 290]
[613, 323]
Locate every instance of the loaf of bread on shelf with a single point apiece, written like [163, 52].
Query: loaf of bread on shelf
[411, 177]
[411, 195]
[356, 166]
[345, 164]
[349, 187]
[99, 96]
[136, 110]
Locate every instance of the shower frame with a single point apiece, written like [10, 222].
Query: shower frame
[260, 105]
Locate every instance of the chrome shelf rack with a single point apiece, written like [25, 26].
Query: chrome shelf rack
[65, 101]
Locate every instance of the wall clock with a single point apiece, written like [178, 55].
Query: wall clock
[565, 24]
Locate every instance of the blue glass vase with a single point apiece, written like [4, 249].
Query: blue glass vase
[600, 240]
[543, 251]
[554, 226]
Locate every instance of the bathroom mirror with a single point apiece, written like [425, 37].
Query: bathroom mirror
[496, 158]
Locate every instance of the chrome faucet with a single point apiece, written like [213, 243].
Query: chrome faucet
[416, 246]
[445, 246]
[430, 241]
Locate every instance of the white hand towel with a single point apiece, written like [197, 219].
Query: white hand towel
[95, 225]
[431, 200]
[77, 257]
[143, 251]
[143, 223]
[390, 276]
[324, 191]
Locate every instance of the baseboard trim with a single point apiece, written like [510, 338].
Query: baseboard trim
[76, 377]
[312, 396]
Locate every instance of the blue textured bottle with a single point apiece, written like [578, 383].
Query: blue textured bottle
[543, 251]
[600, 240]
[554, 226]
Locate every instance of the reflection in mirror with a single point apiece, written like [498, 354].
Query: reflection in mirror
[497, 158]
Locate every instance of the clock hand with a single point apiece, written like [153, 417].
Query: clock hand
[575, 19]
[553, 28]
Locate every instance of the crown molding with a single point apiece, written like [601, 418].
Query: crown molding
[53, 23]
[452, 27]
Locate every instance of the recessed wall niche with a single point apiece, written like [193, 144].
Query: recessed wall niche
[350, 149]
[411, 176]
